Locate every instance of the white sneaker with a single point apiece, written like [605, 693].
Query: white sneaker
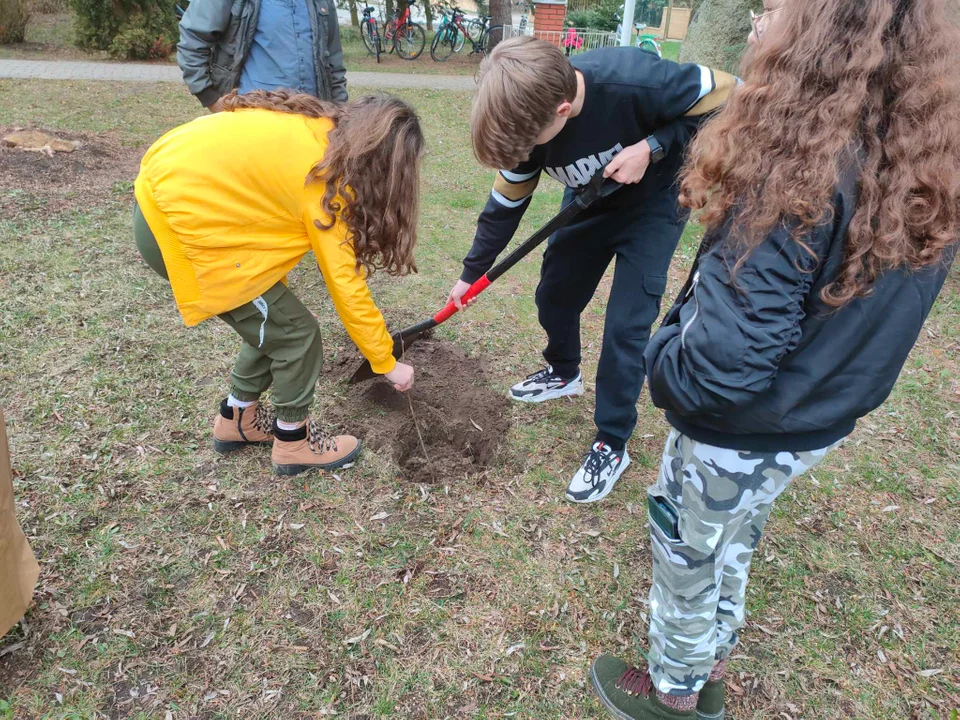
[546, 385]
[600, 471]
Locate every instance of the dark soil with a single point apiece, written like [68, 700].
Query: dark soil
[100, 169]
[462, 419]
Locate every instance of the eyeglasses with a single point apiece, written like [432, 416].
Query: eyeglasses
[757, 19]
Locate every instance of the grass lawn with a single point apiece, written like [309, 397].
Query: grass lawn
[179, 584]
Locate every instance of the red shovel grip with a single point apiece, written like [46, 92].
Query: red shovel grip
[450, 309]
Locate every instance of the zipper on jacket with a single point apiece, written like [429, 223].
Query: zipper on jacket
[696, 309]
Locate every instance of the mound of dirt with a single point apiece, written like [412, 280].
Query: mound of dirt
[462, 420]
[97, 168]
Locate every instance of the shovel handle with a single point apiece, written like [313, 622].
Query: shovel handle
[450, 309]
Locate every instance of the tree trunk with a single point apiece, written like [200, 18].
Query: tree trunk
[354, 18]
[501, 13]
[428, 13]
[718, 33]
[389, 11]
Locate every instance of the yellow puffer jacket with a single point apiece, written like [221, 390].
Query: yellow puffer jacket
[226, 199]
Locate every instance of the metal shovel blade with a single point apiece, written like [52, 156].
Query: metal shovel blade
[401, 343]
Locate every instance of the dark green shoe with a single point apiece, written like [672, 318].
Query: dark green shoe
[711, 700]
[627, 693]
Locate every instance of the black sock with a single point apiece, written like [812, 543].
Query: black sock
[289, 435]
[613, 443]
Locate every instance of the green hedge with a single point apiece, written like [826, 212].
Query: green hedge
[128, 29]
[13, 21]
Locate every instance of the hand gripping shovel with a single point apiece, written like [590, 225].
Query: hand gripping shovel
[597, 188]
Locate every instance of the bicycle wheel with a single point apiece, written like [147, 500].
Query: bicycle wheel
[444, 43]
[410, 40]
[368, 33]
[491, 39]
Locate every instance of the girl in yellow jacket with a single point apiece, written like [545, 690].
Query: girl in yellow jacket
[228, 204]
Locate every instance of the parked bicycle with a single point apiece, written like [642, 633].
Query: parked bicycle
[370, 32]
[446, 16]
[649, 43]
[403, 35]
[482, 38]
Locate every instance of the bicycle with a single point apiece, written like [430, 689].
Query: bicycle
[370, 33]
[445, 20]
[448, 34]
[649, 44]
[403, 35]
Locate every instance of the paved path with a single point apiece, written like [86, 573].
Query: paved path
[130, 72]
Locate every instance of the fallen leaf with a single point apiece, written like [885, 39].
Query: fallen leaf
[380, 516]
[930, 673]
[207, 639]
[358, 639]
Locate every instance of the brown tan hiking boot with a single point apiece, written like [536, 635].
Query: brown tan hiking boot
[238, 427]
[306, 448]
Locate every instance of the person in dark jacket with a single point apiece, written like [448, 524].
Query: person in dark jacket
[830, 189]
[261, 45]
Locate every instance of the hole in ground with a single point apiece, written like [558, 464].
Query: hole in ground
[463, 421]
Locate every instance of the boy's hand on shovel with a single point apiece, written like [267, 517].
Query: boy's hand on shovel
[456, 295]
[401, 377]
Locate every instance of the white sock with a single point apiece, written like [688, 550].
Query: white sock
[289, 425]
[233, 402]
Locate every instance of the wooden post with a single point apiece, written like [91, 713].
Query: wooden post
[666, 27]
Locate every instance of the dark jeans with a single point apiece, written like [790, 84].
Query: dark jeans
[643, 243]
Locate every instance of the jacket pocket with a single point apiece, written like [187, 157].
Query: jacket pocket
[228, 44]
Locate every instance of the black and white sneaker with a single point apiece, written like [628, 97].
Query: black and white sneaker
[600, 471]
[546, 385]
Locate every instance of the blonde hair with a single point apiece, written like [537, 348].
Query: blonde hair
[521, 83]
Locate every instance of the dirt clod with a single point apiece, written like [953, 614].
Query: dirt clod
[461, 418]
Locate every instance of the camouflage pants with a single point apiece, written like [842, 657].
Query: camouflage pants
[722, 499]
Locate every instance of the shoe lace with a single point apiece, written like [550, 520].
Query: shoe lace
[541, 374]
[263, 419]
[318, 440]
[596, 462]
[635, 682]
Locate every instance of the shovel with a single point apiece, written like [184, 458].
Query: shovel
[597, 188]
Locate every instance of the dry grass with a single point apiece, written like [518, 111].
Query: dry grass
[176, 583]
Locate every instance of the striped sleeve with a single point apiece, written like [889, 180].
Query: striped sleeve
[666, 90]
[512, 190]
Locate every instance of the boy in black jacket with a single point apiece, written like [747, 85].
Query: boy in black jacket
[631, 113]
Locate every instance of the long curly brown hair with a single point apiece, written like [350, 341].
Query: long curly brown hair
[371, 171]
[877, 78]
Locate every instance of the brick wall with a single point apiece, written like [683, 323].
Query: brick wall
[548, 20]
